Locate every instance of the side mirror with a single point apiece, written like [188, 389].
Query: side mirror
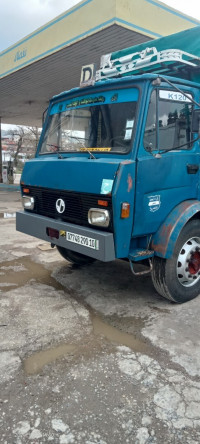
[196, 121]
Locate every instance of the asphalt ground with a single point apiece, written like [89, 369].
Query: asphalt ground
[90, 354]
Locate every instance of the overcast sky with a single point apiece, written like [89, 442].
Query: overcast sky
[21, 17]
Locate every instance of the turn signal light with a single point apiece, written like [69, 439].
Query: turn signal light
[26, 190]
[103, 203]
[125, 210]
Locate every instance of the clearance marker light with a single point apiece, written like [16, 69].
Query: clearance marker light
[103, 203]
[125, 210]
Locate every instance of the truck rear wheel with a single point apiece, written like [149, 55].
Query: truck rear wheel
[178, 278]
[73, 257]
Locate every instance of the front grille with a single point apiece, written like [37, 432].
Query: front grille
[77, 205]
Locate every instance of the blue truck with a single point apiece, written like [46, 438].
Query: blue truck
[116, 172]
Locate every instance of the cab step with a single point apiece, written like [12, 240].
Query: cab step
[140, 254]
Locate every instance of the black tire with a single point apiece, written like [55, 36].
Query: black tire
[178, 278]
[73, 257]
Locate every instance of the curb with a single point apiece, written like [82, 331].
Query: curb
[7, 187]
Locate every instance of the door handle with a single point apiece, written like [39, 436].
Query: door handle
[192, 169]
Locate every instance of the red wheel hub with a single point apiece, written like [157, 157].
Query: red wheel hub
[194, 264]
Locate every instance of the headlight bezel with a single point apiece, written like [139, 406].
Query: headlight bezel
[28, 202]
[99, 211]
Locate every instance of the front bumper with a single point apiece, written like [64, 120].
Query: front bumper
[36, 225]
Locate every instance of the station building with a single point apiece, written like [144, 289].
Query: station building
[49, 60]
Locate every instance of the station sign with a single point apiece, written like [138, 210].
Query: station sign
[88, 75]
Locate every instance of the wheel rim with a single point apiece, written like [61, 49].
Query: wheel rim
[188, 263]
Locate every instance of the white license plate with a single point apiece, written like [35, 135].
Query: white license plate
[85, 241]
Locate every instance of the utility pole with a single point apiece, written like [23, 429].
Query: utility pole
[1, 163]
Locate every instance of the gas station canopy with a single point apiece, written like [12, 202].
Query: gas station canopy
[49, 60]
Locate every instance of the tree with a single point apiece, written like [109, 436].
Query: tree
[20, 133]
[26, 142]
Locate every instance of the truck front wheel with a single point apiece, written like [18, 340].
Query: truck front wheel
[73, 257]
[178, 278]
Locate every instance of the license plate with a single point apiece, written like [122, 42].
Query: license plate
[85, 241]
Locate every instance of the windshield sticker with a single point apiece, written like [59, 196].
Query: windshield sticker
[129, 123]
[95, 149]
[175, 96]
[86, 101]
[129, 129]
[154, 203]
[106, 186]
[128, 134]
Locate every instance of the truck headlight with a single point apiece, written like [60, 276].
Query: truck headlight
[97, 216]
[28, 202]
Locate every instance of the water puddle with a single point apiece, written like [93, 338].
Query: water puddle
[22, 270]
[7, 215]
[35, 363]
[119, 337]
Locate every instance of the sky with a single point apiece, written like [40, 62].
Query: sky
[19, 18]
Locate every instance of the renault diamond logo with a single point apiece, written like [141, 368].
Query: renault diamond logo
[60, 206]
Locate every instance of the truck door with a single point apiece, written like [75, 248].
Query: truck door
[167, 161]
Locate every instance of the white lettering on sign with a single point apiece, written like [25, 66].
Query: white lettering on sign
[173, 95]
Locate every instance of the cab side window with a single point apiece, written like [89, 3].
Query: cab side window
[172, 128]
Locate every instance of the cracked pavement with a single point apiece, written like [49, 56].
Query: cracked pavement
[91, 354]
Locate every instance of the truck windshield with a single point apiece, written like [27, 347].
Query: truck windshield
[102, 127]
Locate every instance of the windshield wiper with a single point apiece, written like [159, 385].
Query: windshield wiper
[57, 147]
[87, 149]
[91, 155]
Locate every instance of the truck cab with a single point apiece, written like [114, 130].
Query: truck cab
[116, 176]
